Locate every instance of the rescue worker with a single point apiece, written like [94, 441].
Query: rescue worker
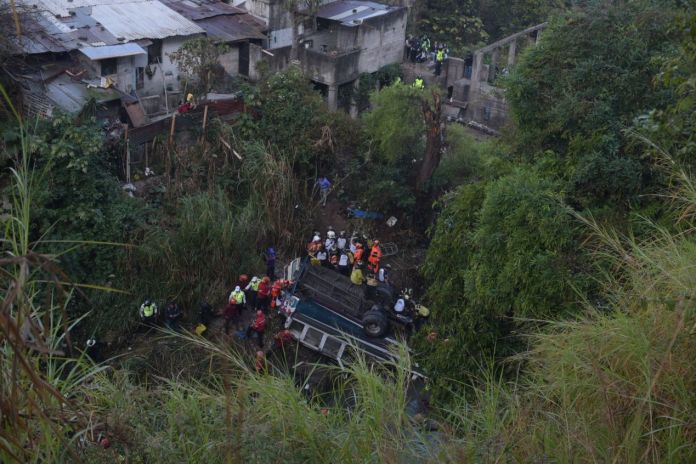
[270, 257]
[281, 339]
[330, 239]
[314, 246]
[149, 312]
[231, 312]
[357, 277]
[322, 257]
[422, 316]
[324, 188]
[171, 315]
[258, 326]
[358, 253]
[252, 290]
[243, 281]
[419, 83]
[344, 264]
[374, 258]
[277, 291]
[333, 259]
[238, 295]
[399, 306]
[263, 294]
[383, 274]
[341, 241]
[439, 59]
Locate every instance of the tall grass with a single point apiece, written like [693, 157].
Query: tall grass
[39, 419]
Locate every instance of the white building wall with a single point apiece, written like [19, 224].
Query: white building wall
[280, 38]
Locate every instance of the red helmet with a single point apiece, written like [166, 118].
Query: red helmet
[244, 278]
[266, 279]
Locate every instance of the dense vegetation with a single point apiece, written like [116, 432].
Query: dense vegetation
[559, 270]
[465, 24]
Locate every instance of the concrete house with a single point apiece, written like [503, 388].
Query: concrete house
[337, 43]
[224, 23]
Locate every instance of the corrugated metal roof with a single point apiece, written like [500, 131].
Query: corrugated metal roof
[43, 32]
[229, 28]
[143, 20]
[202, 9]
[113, 51]
[353, 12]
[71, 95]
[62, 8]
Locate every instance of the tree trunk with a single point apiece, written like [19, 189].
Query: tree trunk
[294, 48]
[433, 147]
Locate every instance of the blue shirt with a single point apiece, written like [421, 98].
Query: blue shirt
[324, 183]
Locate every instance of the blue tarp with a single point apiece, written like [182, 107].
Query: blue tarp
[359, 213]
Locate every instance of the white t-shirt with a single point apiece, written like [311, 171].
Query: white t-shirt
[399, 306]
[341, 243]
[321, 256]
[381, 275]
[329, 243]
[343, 260]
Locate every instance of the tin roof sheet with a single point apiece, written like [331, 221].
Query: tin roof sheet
[61, 8]
[72, 95]
[353, 12]
[113, 51]
[230, 28]
[202, 9]
[143, 20]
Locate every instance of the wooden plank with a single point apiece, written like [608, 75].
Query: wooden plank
[136, 114]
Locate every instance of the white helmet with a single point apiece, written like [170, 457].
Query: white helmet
[237, 289]
[316, 238]
[91, 342]
[331, 234]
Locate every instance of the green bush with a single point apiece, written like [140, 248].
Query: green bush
[500, 254]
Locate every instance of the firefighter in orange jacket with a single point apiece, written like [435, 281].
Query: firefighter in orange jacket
[359, 251]
[277, 290]
[374, 258]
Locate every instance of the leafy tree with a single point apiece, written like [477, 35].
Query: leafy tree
[464, 24]
[200, 59]
[79, 200]
[573, 96]
[454, 22]
[500, 251]
[291, 112]
[396, 123]
[509, 16]
[675, 130]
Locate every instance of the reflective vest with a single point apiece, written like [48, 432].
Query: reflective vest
[440, 55]
[255, 285]
[238, 296]
[357, 277]
[419, 84]
[149, 310]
